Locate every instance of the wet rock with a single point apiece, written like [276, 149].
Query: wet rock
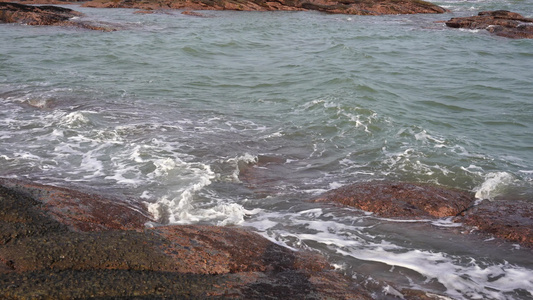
[401, 200]
[500, 22]
[508, 220]
[82, 211]
[193, 14]
[35, 15]
[50, 250]
[421, 295]
[354, 7]
[45, 15]
[373, 7]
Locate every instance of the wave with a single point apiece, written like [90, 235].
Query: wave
[361, 249]
[495, 184]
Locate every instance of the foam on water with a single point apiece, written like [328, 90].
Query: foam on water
[240, 163]
[494, 185]
[242, 118]
[459, 277]
[74, 119]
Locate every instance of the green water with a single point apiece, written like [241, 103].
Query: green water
[240, 117]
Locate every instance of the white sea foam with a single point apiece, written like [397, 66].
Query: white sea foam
[178, 207]
[494, 185]
[426, 137]
[474, 280]
[461, 277]
[240, 162]
[39, 103]
[74, 120]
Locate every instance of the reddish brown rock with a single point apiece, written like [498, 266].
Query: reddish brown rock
[401, 200]
[83, 211]
[46, 15]
[193, 13]
[373, 7]
[355, 7]
[500, 22]
[508, 220]
[54, 246]
[35, 15]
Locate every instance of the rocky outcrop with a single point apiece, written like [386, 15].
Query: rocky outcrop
[45, 15]
[508, 220]
[54, 246]
[500, 22]
[401, 200]
[354, 7]
[35, 15]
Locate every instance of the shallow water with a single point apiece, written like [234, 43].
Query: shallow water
[240, 117]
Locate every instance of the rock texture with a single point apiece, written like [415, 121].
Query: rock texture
[45, 15]
[355, 7]
[35, 15]
[401, 200]
[508, 220]
[500, 22]
[511, 221]
[52, 246]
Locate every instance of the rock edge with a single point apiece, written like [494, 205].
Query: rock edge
[511, 221]
[499, 22]
[52, 245]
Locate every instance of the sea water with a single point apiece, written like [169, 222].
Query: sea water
[240, 118]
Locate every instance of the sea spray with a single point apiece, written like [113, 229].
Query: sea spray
[495, 185]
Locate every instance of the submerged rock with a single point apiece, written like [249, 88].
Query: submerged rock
[508, 220]
[53, 245]
[354, 7]
[401, 200]
[500, 22]
[45, 15]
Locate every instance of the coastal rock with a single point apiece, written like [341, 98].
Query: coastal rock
[354, 7]
[508, 220]
[35, 15]
[82, 211]
[47, 252]
[500, 22]
[46, 15]
[401, 200]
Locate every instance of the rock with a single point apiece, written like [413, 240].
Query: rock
[511, 221]
[46, 15]
[49, 250]
[83, 211]
[500, 22]
[373, 7]
[193, 13]
[35, 15]
[401, 200]
[508, 220]
[354, 7]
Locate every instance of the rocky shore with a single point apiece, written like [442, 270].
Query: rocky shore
[47, 15]
[499, 22]
[57, 243]
[511, 221]
[354, 7]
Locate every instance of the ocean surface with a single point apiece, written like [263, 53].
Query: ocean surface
[240, 118]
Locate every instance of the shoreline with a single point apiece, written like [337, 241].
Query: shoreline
[57, 236]
[369, 7]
